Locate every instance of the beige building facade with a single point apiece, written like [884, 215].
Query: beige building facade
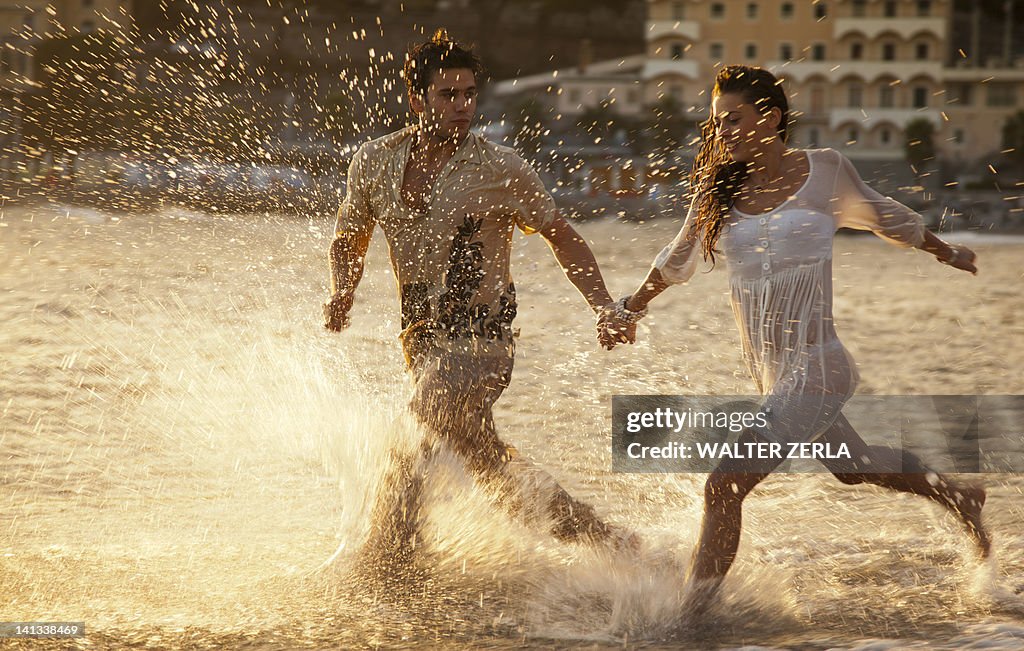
[857, 71]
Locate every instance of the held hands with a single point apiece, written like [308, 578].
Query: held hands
[616, 324]
[961, 257]
[612, 331]
[336, 312]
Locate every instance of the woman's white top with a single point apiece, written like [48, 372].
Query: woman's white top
[780, 272]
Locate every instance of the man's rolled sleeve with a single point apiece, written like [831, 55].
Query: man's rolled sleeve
[355, 217]
[535, 208]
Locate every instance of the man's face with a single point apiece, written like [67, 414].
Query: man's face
[448, 108]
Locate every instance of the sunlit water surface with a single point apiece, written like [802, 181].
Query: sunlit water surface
[184, 448]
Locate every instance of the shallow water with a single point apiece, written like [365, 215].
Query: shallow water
[184, 449]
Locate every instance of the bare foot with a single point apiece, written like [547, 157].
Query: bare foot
[622, 540]
[700, 595]
[969, 502]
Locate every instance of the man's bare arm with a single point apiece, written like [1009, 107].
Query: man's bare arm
[577, 261]
[347, 255]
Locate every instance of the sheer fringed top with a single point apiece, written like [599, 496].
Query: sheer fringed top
[780, 271]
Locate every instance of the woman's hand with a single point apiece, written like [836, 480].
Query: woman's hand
[960, 257]
[616, 324]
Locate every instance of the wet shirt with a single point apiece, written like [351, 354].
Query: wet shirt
[451, 261]
[780, 276]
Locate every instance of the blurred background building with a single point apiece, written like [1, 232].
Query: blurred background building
[604, 96]
[872, 77]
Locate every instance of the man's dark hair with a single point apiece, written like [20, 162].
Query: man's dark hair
[439, 53]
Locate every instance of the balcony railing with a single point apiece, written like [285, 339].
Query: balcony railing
[905, 28]
[688, 29]
[868, 71]
[658, 67]
[869, 118]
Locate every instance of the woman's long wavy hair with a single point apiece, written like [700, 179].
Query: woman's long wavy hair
[715, 179]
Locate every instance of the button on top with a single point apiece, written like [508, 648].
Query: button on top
[766, 266]
[764, 220]
[764, 242]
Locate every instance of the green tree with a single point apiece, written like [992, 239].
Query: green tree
[334, 118]
[667, 126]
[919, 145]
[1013, 138]
[529, 122]
[600, 120]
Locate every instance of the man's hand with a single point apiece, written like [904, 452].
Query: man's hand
[611, 330]
[336, 312]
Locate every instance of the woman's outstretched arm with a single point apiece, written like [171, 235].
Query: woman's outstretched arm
[653, 285]
[857, 205]
[957, 256]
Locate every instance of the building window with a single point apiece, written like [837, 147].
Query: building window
[885, 136]
[631, 96]
[676, 91]
[88, 26]
[752, 10]
[851, 136]
[678, 13]
[959, 94]
[888, 52]
[921, 51]
[750, 51]
[786, 51]
[920, 97]
[1002, 95]
[890, 9]
[924, 8]
[818, 52]
[857, 51]
[814, 138]
[887, 97]
[717, 10]
[717, 51]
[574, 96]
[787, 10]
[817, 100]
[86, 3]
[676, 52]
[856, 96]
[820, 10]
[958, 136]
[860, 8]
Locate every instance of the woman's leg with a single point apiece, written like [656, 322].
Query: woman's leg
[905, 472]
[724, 491]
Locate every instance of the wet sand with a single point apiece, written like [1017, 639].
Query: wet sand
[183, 446]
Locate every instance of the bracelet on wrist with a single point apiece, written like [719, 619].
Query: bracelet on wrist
[626, 314]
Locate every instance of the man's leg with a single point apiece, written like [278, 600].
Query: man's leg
[454, 400]
[903, 471]
[393, 524]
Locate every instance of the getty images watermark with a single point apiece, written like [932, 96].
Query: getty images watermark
[950, 433]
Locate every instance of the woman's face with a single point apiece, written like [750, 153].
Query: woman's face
[744, 130]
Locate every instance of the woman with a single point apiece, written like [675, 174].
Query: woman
[773, 212]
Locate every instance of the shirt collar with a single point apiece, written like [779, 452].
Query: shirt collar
[468, 150]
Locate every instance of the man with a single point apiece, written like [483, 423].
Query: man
[447, 201]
